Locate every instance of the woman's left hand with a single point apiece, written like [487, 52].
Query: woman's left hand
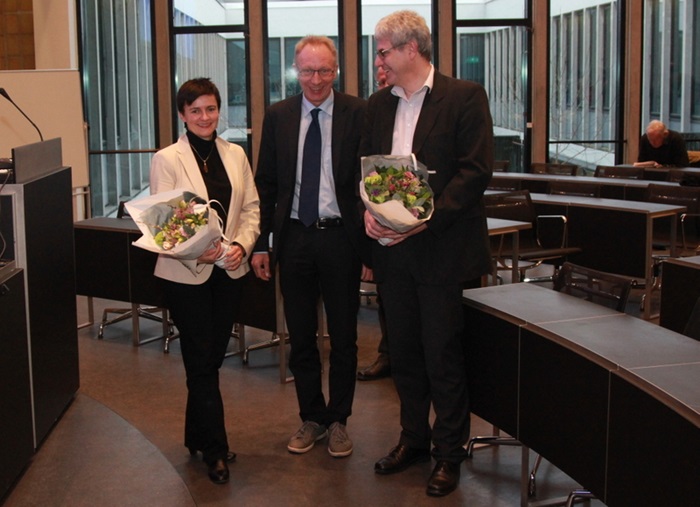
[233, 257]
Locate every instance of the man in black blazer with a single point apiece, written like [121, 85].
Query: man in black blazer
[318, 256]
[420, 275]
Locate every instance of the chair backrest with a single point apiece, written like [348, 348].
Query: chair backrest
[553, 168]
[692, 327]
[514, 205]
[581, 188]
[674, 195]
[497, 183]
[613, 171]
[675, 175]
[501, 166]
[599, 287]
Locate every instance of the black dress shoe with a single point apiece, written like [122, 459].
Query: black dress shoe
[379, 369]
[444, 479]
[400, 458]
[218, 472]
[230, 456]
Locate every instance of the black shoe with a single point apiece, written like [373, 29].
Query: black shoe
[230, 456]
[444, 479]
[400, 458]
[218, 472]
[379, 369]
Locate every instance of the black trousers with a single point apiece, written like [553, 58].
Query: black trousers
[204, 316]
[317, 263]
[428, 364]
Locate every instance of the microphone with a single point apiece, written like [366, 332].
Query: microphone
[7, 96]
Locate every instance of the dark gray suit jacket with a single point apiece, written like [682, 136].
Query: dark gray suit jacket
[277, 162]
[454, 138]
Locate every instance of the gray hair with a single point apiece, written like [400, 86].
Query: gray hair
[656, 126]
[401, 27]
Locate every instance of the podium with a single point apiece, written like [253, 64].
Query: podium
[36, 222]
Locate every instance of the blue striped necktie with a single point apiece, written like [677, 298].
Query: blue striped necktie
[310, 172]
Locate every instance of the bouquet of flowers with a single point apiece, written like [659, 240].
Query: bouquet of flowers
[176, 223]
[395, 190]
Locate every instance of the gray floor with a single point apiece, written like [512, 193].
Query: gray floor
[120, 441]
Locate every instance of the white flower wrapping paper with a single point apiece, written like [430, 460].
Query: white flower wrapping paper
[152, 211]
[392, 214]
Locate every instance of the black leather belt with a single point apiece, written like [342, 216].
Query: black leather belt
[323, 223]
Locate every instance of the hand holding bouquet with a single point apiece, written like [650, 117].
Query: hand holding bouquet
[395, 190]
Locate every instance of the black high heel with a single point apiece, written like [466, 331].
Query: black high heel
[218, 472]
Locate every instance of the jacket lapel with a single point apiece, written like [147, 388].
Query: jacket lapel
[429, 112]
[190, 167]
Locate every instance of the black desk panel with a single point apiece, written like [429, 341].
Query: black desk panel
[679, 291]
[610, 399]
[563, 408]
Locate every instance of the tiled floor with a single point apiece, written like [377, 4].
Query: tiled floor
[120, 442]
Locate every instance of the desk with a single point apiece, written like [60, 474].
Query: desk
[616, 236]
[612, 188]
[498, 226]
[108, 266]
[679, 291]
[592, 390]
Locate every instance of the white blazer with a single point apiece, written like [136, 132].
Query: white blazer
[175, 167]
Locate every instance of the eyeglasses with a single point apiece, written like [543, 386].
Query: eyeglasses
[324, 73]
[381, 53]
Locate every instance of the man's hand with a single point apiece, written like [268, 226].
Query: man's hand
[260, 262]
[375, 230]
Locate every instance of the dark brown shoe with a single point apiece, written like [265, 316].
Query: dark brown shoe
[444, 479]
[379, 369]
[400, 458]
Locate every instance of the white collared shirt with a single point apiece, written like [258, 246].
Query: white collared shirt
[327, 202]
[407, 114]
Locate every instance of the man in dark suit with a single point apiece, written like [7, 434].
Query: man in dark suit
[307, 177]
[421, 273]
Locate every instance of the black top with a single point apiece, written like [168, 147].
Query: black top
[672, 152]
[215, 178]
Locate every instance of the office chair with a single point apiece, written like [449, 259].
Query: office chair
[688, 226]
[606, 289]
[614, 171]
[545, 241]
[553, 168]
[584, 189]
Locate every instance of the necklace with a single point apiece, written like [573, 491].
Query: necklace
[204, 160]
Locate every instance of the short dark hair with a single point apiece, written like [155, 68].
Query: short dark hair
[193, 89]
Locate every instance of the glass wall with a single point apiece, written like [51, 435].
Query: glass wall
[209, 42]
[117, 51]
[671, 84]
[584, 83]
[497, 57]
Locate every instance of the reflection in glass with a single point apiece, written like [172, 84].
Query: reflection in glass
[584, 74]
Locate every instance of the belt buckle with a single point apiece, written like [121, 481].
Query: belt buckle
[318, 224]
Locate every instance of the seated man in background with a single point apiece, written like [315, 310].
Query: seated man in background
[661, 147]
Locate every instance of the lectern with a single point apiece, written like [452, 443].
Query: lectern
[36, 221]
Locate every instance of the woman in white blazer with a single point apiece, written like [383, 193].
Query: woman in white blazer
[201, 296]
